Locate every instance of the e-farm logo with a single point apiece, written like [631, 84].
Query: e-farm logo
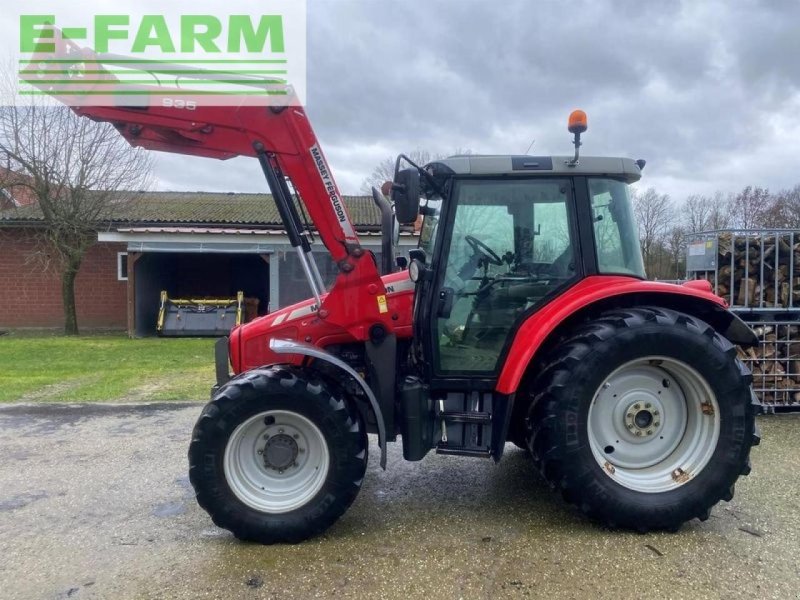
[198, 33]
[178, 60]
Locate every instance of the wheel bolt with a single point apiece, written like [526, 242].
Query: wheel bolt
[637, 406]
[260, 451]
[629, 415]
[638, 433]
[656, 424]
[630, 425]
[647, 405]
[655, 412]
[280, 471]
[301, 449]
[296, 436]
[649, 432]
[266, 436]
[280, 430]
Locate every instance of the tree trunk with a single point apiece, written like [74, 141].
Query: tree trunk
[68, 298]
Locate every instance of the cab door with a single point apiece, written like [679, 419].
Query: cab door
[505, 247]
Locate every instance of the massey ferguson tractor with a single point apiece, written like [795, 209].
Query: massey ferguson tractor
[523, 316]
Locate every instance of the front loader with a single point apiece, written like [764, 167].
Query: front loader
[524, 316]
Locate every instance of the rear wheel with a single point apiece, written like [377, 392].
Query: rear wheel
[643, 418]
[276, 456]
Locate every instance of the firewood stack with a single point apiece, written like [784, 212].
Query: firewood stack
[775, 363]
[758, 273]
[746, 257]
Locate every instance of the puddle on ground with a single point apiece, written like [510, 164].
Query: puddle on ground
[21, 500]
[169, 509]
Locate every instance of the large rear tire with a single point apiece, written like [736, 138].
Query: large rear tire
[276, 456]
[644, 419]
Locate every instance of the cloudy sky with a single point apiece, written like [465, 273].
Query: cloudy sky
[707, 92]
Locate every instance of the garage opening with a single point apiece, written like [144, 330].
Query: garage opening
[197, 275]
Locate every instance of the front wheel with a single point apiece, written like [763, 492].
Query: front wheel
[276, 456]
[644, 419]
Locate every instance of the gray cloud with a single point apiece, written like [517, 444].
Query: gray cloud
[706, 91]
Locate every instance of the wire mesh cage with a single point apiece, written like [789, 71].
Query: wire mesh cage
[753, 270]
[775, 363]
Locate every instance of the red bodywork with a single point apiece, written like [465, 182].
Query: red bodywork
[534, 331]
[249, 345]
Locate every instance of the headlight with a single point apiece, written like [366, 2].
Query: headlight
[415, 270]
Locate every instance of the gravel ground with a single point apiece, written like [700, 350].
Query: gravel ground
[95, 503]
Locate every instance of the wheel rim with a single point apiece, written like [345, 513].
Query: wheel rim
[276, 461]
[653, 424]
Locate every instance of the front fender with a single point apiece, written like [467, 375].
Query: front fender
[292, 347]
[607, 292]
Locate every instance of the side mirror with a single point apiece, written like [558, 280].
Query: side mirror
[389, 231]
[405, 196]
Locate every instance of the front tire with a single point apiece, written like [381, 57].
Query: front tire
[643, 418]
[276, 456]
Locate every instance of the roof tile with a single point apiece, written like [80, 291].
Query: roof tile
[212, 208]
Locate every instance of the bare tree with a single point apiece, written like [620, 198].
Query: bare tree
[784, 209]
[696, 213]
[384, 170]
[77, 170]
[748, 209]
[676, 243]
[655, 215]
[718, 217]
[704, 213]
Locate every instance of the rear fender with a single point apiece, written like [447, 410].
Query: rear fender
[593, 295]
[292, 347]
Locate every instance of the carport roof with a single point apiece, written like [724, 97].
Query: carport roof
[206, 208]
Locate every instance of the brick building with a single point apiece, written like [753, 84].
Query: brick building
[13, 192]
[190, 244]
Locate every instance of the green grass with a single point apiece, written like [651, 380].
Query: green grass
[104, 368]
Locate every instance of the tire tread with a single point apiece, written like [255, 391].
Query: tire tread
[543, 437]
[228, 513]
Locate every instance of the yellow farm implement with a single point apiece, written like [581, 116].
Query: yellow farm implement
[194, 317]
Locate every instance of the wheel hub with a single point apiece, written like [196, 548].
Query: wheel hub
[643, 419]
[280, 452]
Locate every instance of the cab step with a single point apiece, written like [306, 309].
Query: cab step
[459, 451]
[477, 418]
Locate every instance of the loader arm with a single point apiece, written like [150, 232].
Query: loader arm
[284, 142]
[283, 136]
[165, 119]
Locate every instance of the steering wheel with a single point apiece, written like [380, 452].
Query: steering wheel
[478, 247]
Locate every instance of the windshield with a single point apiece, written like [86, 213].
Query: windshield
[615, 231]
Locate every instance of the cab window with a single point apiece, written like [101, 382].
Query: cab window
[511, 248]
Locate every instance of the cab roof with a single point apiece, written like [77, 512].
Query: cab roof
[504, 164]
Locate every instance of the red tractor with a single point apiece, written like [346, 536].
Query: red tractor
[524, 315]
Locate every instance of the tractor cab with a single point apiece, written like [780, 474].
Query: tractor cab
[501, 237]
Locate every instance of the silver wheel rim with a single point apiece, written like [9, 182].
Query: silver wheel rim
[276, 461]
[653, 424]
